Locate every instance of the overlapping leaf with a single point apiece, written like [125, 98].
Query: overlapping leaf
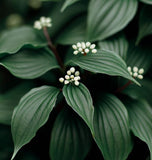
[111, 128]
[31, 113]
[29, 64]
[140, 115]
[13, 40]
[105, 18]
[68, 3]
[79, 99]
[70, 138]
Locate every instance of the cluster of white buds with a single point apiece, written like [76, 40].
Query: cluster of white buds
[43, 22]
[72, 76]
[84, 48]
[136, 73]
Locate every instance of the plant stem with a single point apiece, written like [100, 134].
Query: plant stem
[123, 87]
[52, 47]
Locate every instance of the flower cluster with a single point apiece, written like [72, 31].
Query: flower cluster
[84, 48]
[43, 22]
[71, 77]
[136, 73]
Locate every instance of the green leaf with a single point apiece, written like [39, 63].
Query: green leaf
[140, 115]
[138, 55]
[68, 3]
[103, 61]
[145, 23]
[111, 128]
[79, 99]
[106, 18]
[70, 138]
[29, 64]
[15, 39]
[117, 44]
[32, 113]
[74, 32]
[10, 99]
[147, 1]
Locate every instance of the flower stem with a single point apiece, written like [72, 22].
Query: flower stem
[52, 47]
[119, 90]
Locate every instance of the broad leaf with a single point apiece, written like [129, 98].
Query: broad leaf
[13, 40]
[111, 128]
[31, 113]
[10, 99]
[145, 23]
[103, 61]
[68, 3]
[140, 115]
[147, 1]
[106, 18]
[117, 44]
[79, 99]
[29, 64]
[74, 32]
[70, 138]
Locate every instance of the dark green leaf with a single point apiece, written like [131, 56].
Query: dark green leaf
[147, 1]
[29, 64]
[103, 61]
[111, 128]
[70, 138]
[140, 115]
[79, 99]
[145, 23]
[15, 39]
[117, 44]
[32, 113]
[68, 3]
[106, 18]
[74, 32]
[10, 99]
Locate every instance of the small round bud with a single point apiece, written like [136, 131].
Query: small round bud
[75, 52]
[67, 77]
[68, 72]
[80, 49]
[76, 83]
[135, 74]
[86, 50]
[94, 51]
[66, 82]
[78, 44]
[88, 44]
[61, 80]
[131, 73]
[76, 78]
[77, 73]
[83, 45]
[92, 46]
[135, 69]
[72, 69]
[74, 46]
[72, 76]
[140, 76]
[129, 69]
[141, 71]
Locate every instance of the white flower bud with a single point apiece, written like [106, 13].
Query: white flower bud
[83, 45]
[67, 77]
[92, 46]
[80, 49]
[66, 82]
[78, 44]
[76, 83]
[77, 73]
[72, 69]
[86, 50]
[88, 44]
[74, 46]
[61, 80]
[94, 51]
[72, 76]
[76, 78]
[140, 76]
[130, 73]
[75, 52]
[68, 72]
[129, 69]
[135, 69]
[141, 71]
[135, 74]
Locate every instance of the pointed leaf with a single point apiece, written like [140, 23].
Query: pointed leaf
[106, 18]
[10, 99]
[111, 128]
[147, 1]
[117, 44]
[145, 23]
[13, 40]
[103, 61]
[29, 64]
[32, 113]
[140, 115]
[70, 138]
[68, 3]
[79, 99]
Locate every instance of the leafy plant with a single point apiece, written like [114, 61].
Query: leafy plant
[83, 73]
